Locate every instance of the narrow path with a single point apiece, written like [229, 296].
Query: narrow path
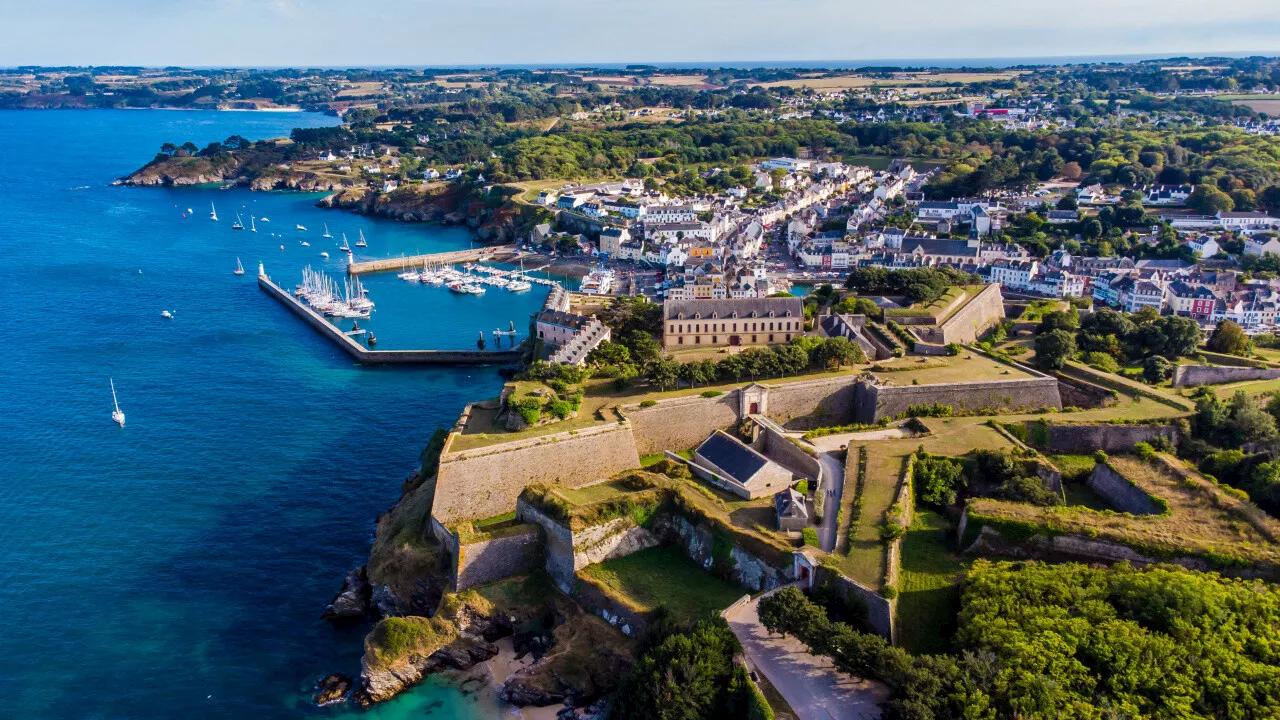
[834, 470]
[810, 684]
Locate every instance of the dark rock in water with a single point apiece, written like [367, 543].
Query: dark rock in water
[352, 602]
[332, 689]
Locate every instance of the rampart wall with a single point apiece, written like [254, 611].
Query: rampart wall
[1192, 375]
[984, 311]
[1087, 439]
[681, 423]
[880, 401]
[568, 552]
[486, 481]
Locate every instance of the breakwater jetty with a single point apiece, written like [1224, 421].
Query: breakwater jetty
[496, 253]
[365, 356]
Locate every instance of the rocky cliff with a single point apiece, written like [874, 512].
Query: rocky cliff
[257, 169]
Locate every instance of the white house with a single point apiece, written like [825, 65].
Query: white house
[1262, 246]
[1203, 244]
[1245, 220]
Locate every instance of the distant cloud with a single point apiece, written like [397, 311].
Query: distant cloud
[458, 32]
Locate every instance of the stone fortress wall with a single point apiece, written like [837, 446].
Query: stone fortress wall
[875, 401]
[980, 314]
[1192, 375]
[484, 482]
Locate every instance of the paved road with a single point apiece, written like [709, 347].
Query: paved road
[834, 470]
[810, 684]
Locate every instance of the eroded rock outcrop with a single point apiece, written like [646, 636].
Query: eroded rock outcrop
[353, 601]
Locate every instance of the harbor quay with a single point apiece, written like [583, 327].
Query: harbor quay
[366, 356]
[494, 254]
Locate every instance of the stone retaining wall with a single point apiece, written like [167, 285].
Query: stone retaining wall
[490, 560]
[746, 569]
[880, 610]
[1192, 375]
[1122, 494]
[568, 552]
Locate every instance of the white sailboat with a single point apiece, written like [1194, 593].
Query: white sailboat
[213, 213]
[117, 415]
[238, 224]
[345, 247]
[361, 242]
[301, 227]
[239, 268]
[326, 231]
[252, 227]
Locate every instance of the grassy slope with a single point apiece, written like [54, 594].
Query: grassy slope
[664, 576]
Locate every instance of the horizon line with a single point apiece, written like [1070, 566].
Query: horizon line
[840, 64]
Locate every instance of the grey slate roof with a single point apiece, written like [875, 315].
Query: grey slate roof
[731, 456]
[743, 307]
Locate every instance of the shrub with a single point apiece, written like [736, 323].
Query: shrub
[1156, 369]
[530, 409]
[1101, 361]
[648, 403]
[810, 536]
[889, 592]
[712, 393]
[954, 349]
[1145, 451]
[937, 480]
[802, 487]
[561, 409]
[934, 410]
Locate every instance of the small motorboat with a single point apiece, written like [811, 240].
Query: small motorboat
[190, 211]
[306, 244]
[264, 219]
[324, 254]
[166, 314]
[301, 227]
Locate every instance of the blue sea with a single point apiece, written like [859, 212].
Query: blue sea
[178, 567]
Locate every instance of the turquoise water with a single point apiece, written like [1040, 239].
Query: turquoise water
[178, 567]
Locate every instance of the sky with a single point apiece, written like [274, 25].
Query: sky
[199, 33]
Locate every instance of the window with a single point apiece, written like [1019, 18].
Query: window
[714, 340]
[753, 338]
[680, 340]
[770, 337]
[697, 339]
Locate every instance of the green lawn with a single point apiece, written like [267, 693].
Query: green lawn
[952, 436]
[929, 597]
[664, 576]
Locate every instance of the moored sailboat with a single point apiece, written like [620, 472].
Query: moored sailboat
[326, 231]
[239, 268]
[213, 212]
[361, 242]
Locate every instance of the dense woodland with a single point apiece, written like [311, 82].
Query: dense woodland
[1071, 641]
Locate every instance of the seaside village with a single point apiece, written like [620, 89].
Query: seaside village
[677, 446]
[832, 219]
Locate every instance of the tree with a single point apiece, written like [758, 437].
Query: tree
[663, 372]
[1210, 200]
[1090, 227]
[1170, 336]
[1068, 201]
[643, 348]
[1249, 423]
[1071, 171]
[1229, 338]
[1067, 320]
[1156, 369]
[937, 479]
[688, 676]
[609, 353]
[1054, 348]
